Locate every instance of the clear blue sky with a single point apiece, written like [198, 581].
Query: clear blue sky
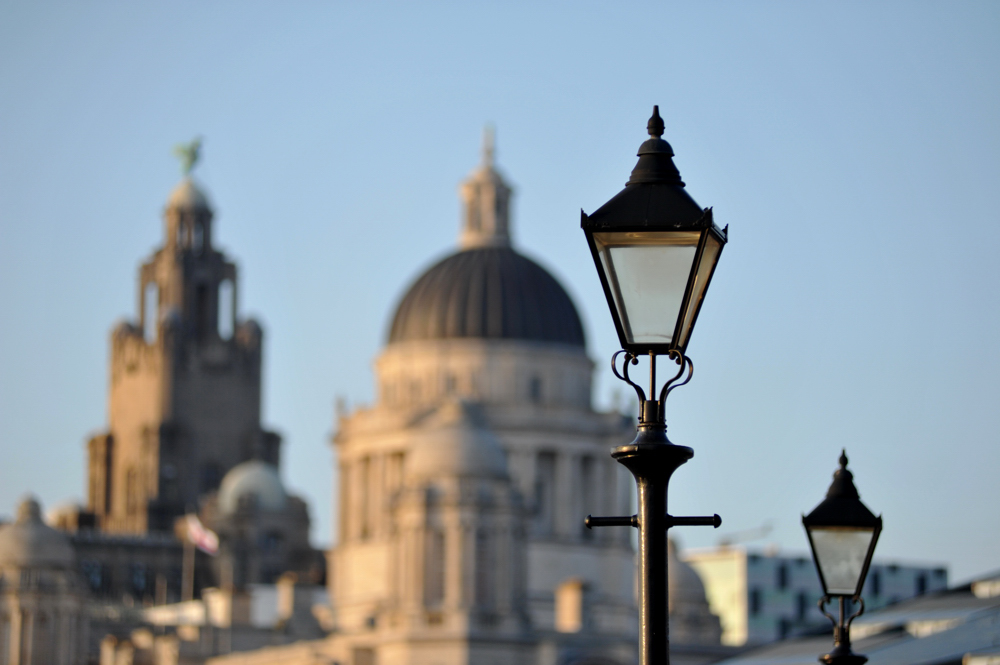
[851, 147]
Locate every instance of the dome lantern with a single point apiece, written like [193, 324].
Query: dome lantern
[486, 198]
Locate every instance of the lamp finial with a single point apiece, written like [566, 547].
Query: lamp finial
[843, 458]
[655, 124]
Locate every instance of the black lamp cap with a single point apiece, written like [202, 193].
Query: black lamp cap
[654, 198]
[655, 164]
[842, 505]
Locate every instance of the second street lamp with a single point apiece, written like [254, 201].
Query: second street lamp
[655, 250]
[842, 535]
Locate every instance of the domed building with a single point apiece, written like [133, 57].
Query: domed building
[463, 489]
[263, 531]
[42, 619]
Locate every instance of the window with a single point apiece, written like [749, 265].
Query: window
[211, 475]
[535, 389]
[801, 605]
[227, 308]
[875, 583]
[202, 308]
[570, 606]
[198, 240]
[434, 569]
[545, 479]
[921, 584]
[484, 570]
[755, 602]
[364, 492]
[588, 488]
[132, 492]
[782, 576]
[150, 309]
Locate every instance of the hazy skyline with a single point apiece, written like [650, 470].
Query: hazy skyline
[852, 149]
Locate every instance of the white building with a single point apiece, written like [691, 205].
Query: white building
[464, 487]
[762, 596]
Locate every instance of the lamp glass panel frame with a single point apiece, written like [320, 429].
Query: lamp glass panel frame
[655, 282]
[842, 555]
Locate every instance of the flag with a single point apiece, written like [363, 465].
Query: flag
[204, 539]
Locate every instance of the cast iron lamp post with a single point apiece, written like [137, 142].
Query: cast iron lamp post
[655, 250]
[842, 534]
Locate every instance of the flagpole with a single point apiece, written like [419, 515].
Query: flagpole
[187, 572]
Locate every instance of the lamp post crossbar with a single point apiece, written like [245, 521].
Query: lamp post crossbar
[652, 460]
[671, 521]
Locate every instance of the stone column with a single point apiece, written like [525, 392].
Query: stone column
[565, 508]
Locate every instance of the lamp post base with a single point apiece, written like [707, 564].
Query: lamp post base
[842, 655]
[652, 459]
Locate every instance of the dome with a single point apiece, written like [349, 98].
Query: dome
[188, 196]
[455, 444]
[252, 479]
[487, 293]
[684, 585]
[29, 542]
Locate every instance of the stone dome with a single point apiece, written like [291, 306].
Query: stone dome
[253, 479]
[487, 293]
[684, 584]
[29, 542]
[454, 443]
[188, 196]
[691, 618]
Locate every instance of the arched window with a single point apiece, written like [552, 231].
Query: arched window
[150, 311]
[227, 309]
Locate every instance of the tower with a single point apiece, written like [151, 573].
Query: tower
[185, 380]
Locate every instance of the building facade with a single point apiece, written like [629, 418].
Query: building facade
[184, 436]
[762, 596]
[42, 615]
[463, 489]
[185, 382]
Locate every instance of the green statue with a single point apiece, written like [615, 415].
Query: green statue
[188, 153]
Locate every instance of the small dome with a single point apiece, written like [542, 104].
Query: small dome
[255, 479]
[684, 583]
[454, 443]
[29, 542]
[487, 293]
[188, 196]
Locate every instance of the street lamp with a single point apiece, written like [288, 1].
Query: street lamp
[655, 251]
[842, 534]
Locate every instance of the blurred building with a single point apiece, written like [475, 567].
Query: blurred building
[763, 596]
[42, 616]
[462, 490]
[184, 435]
[958, 626]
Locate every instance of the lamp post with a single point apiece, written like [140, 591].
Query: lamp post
[842, 535]
[655, 250]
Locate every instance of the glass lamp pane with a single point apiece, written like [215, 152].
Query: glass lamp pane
[648, 274]
[708, 260]
[841, 555]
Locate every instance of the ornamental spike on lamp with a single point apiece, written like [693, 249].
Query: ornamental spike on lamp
[842, 535]
[655, 250]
